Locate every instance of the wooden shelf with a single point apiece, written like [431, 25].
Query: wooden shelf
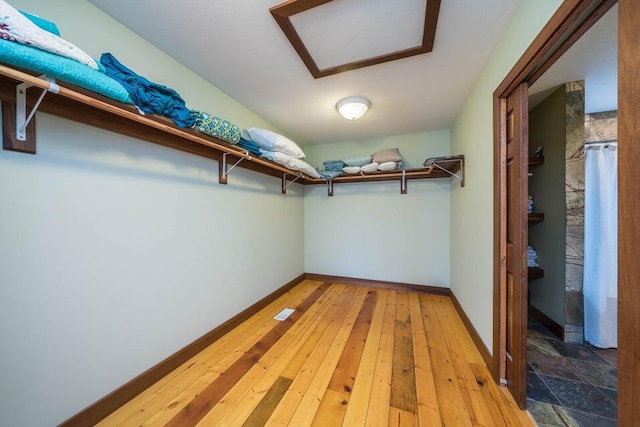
[535, 273]
[446, 167]
[90, 108]
[533, 161]
[536, 217]
[87, 107]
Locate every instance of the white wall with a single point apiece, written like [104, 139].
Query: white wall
[472, 206]
[115, 253]
[372, 231]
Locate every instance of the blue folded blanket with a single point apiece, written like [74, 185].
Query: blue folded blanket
[326, 174]
[42, 23]
[59, 67]
[150, 97]
[250, 146]
[333, 165]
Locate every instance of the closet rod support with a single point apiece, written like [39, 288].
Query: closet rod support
[286, 184]
[22, 119]
[224, 172]
[330, 188]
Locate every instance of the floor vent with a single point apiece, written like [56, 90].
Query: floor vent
[284, 314]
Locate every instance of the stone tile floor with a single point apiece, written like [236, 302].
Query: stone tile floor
[569, 384]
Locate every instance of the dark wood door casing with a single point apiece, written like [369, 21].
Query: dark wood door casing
[516, 242]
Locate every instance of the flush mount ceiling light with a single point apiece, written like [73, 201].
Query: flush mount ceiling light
[353, 107]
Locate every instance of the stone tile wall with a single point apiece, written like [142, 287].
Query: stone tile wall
[581, 128]
[574, 185]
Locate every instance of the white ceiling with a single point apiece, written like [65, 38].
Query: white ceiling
[594, 59]
[239, 48]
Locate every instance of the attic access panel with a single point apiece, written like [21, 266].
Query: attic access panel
[330, 36]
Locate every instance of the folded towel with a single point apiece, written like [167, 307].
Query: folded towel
[324, 174]
[17, 27]
[250, 146]
[333, 165]
[63, 68]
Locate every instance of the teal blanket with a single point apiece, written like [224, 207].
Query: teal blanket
[59, 67]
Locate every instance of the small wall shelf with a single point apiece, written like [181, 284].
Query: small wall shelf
[536, 217]
[437, 167]
[534, 161]
[535, 273]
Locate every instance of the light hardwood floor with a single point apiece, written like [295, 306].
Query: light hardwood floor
[348, 355]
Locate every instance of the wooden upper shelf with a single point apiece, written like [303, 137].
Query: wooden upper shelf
[87, 107]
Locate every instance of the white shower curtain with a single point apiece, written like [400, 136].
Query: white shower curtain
[601, 246]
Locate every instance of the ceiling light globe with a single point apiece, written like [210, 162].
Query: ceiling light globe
[353, 107]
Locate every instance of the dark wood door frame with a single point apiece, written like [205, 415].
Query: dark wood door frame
[572, 19]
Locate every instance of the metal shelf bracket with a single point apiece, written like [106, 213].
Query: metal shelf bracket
[403, 182]
[433, 163]
[223, 171]
[22, 119]
[286, 184]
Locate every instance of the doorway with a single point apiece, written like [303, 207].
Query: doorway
[570, 22]
[570, 381]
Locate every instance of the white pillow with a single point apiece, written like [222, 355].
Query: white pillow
[291, 163]
[351, 170]
[371, 167]
[388, 166]
[272, 141]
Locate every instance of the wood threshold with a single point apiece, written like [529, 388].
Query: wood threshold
[381, 284]
[112, 401]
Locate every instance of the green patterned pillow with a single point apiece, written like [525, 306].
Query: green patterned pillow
[216, 127]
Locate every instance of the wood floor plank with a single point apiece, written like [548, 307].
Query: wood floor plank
[403, 380]
[378, 409]
[348, 356]
[457, 341]
[197, 408]
[171, 388]
[428, 410]
[306, 321]
[356, 413]
[238, 404]
[455, 331]
[287, 407]
[400, 418]
[343, 377]
[453, 410]
[310, 402]
[266, 406]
